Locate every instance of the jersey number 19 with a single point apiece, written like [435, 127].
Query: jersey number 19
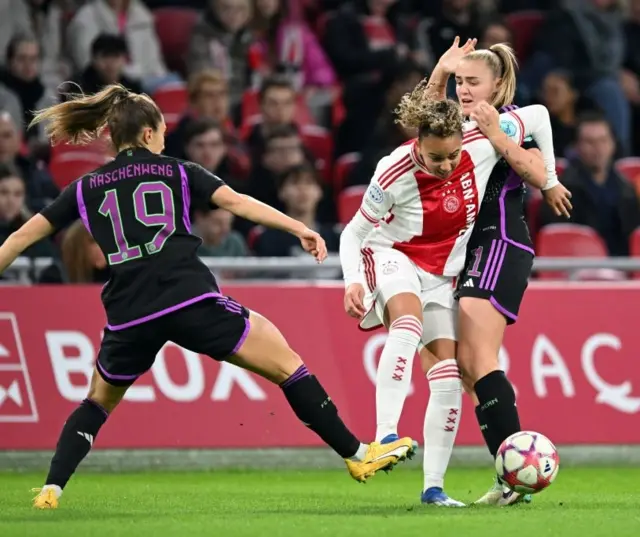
[110, 208]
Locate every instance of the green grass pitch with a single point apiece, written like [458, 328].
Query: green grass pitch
[590, 502]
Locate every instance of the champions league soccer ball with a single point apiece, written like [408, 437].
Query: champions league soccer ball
[527, 462]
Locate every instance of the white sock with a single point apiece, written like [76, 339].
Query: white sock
[361, 453]
[55, 488]
[393, 379]
[441, 420]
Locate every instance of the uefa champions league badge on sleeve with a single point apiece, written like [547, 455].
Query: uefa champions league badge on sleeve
[375, 194]
[508, 127]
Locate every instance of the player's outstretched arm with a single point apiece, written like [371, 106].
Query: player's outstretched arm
[35, 229]
[437, 86]
[260, 213]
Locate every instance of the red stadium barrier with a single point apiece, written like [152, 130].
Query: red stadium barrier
[572, 357]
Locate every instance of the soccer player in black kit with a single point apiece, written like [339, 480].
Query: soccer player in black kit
[137, 209]
[500, 251]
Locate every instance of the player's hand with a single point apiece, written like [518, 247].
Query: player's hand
[451, 58]
[487, 118]
[559, 199]
[313, 243]
[354, 301]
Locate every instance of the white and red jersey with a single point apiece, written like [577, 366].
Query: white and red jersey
[428, 218]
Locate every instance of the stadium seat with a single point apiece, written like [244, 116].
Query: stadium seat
[320, 142]
[174, 26]
[634, 249]
[561, 166]
[101, 146]
[524, 27]
[568, 240]
[67, 167]
[349, 201]
[630, 168]
[253, 235]
[173, 100]
[343, 168]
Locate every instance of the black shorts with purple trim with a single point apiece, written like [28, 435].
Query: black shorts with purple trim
[497, 269]
[214, 325]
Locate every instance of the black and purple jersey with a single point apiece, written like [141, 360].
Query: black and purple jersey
[137, 210]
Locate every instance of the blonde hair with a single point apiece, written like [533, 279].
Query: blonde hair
[83, 118]
[430, 117]
[200, 78]
[75, 253]
[501, 59]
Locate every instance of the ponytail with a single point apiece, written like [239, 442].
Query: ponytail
[502, 61]
[80, 119]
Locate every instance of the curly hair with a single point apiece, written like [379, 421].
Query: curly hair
[430, 117]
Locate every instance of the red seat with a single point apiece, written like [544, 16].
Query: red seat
[634, 249]
[320, 142]
[253, 236]
[343, 168]
[67, 167]
[524, 26]
[349, 201]
[102, 146]
[173, 100]
[630, 168]
[561, 166]
[174, 26]
[568, 240]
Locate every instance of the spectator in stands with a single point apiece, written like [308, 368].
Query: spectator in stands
[495, 31]
[365, 44]
[283, 149]
[204, 144]
[289, 46]
[587, 39]
[40, 187]
[14, 20]
[513, 6]
[22, 77]
[300, 192]
[10, 103]
[602, 198]
[631, 72]
[14, 212]
[221, 40]
[277, 107]
[456, 17]
[208, 98]
[214, 227]
[561, 98]
[388, 134]
[132, 20]
[108, 60]
[82, 260]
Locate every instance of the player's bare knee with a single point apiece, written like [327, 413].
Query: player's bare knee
[402, 305]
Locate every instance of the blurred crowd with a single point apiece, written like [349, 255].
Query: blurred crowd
[290, 101]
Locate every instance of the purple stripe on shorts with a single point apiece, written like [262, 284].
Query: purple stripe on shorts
[186, 198]
[299, 373]
[82, 208]
[165, 311]
[115, 377]
[97, 405]
[502, 252]
[504, 312]
[487, 265]
[247, 328]
[513, 182]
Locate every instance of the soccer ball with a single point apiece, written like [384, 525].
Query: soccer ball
[527, 462]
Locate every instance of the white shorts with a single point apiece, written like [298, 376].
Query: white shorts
[390, 272]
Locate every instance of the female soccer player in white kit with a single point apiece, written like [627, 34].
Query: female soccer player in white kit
[407, 243]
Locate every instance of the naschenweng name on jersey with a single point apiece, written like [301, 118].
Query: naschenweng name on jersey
[129, 171]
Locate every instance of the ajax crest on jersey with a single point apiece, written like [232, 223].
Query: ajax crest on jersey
[451, 203]
[508, 127]
[389, 268]
[375, 194]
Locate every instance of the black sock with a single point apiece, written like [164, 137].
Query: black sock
[498, 409]
[76, 440]
[316, 410]
[484, 429]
